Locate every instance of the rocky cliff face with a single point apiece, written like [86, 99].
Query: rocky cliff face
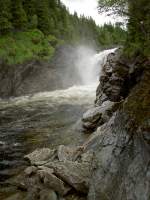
[122, 145]
[36, 76]
[114, 162]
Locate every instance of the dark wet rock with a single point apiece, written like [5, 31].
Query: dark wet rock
[98, 115]
[52, 182]
[40, 155]
[17, 196]
[67, 172]
[75, 197]
[121, 162]
[113, 80]
[47, 194]
[74, 173]
[30, 170]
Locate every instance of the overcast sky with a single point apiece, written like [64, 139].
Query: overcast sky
[88, 8]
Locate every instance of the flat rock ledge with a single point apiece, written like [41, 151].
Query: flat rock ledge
[57, 174]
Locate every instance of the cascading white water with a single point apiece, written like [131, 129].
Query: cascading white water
[89, 64]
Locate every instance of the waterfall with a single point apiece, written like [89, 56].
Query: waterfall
[89, 64]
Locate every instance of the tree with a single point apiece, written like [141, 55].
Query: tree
[138, 13]
[43, 14]
[30, 9]
[19, 18]
[5, 16]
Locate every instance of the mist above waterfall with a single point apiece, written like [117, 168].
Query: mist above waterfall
[85, 64]
[89, 63]
[80, 65]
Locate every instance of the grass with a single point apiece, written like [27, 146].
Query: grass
[19, 47]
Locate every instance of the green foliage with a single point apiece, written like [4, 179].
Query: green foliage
[111, 35]
[19, 18]
[30, 9]
[5, 16]
[113, 6]
[43, 16]
[138, 12]
[52, 17]
[33, 23]
[54, 26]
[138, 42]
[23, 46]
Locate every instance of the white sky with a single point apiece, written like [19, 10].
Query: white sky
[88, 8]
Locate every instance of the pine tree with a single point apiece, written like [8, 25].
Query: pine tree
[19, 18]
[139, 28]
[30, 9]
[5, 16]
[43, 16]
[138, 12]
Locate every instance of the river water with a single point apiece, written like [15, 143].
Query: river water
[45, 119]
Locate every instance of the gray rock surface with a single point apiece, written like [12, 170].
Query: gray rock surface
[40, 155]
[121, 164]
[64, 171]
[97, 116]
[52, 182]
[74, 173]
[47, 194]
[65, 153]
[113, 80]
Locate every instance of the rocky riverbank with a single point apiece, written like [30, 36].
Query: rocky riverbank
[114, 162]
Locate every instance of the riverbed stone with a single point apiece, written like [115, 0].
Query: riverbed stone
[53, 182]
[30, 170]
[73, 173]
[98, 115]
[40, 155]
[65, 153]
[47, 194]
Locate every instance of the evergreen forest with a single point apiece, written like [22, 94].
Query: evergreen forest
[33, 29]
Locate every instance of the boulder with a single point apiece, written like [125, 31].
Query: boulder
[40, 155]
[98, 115]
[52, 182]
[114, 80]
[30, 170]
[65, 153]
[73, 173]
[47, 194]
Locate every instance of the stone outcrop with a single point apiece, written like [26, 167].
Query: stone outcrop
[62, 176]
[97, 116]
[121, 145]
[113, 79]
